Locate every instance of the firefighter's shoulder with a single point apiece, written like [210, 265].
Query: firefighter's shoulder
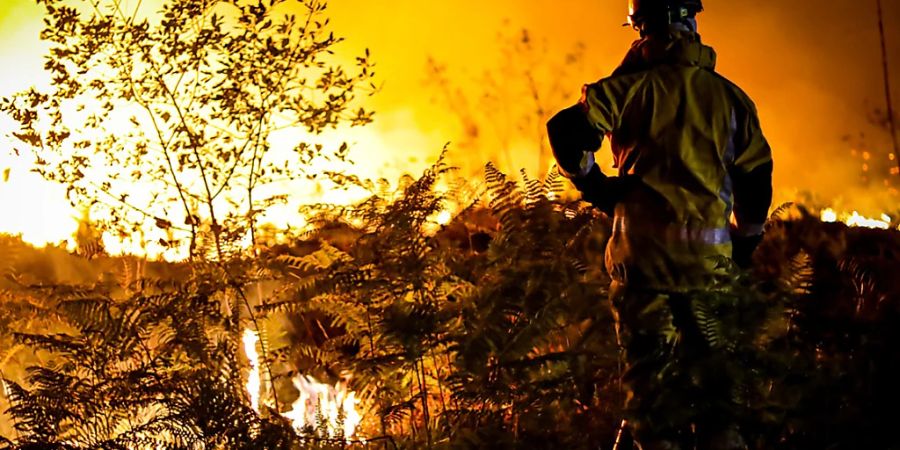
[737, 93]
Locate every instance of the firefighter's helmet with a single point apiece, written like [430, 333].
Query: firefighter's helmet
[661, 12]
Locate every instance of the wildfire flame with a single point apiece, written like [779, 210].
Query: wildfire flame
[321, 406]
[254, 384]
[330, 410]
[444, 217]
[855, 219]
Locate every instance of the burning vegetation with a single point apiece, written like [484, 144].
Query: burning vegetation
[435, 312]
[385, 334]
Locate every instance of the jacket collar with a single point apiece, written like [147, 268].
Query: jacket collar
[677, 47]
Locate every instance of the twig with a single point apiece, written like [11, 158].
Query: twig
[620, 434]
[887, 87]
[423, 393]
[240, 291]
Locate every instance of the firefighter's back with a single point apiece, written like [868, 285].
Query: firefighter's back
[677, 132]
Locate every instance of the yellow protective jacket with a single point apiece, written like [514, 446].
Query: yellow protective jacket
[694, 141]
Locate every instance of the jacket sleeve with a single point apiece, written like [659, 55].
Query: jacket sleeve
[606, 100]
[751, 174]
[577, 132]
[573, 140]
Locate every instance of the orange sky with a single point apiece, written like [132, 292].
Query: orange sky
[812, 68]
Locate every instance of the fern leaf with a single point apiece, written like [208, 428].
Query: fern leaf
[555, 184]
[709, 325]
[534, 189]
[802, 274]
[779, 215]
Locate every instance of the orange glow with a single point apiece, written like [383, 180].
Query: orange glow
[42, 213]
[479, 45]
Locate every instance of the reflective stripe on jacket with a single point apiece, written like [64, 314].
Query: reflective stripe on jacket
[689, 134]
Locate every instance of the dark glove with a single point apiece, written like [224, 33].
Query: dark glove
[743, 248]
[571, 136]
[605, 192]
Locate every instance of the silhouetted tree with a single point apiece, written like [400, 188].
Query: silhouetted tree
[166, 119]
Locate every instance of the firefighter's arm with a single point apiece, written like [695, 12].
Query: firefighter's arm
[602, 191]
[752, 178]
[576, 133]
[574, 141]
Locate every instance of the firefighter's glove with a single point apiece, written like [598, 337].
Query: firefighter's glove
[605, 192]
[574, 141]
[743, 248]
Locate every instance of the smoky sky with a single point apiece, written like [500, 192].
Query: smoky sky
[812, 67]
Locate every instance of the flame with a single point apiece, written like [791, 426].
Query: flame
[855, 219]
[254, 383]
[43, 215]
[829, 215]
[444, 218]
[335, 405]
[331, 410]
[412, 123]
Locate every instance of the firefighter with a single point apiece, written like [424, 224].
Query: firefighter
[694, 184]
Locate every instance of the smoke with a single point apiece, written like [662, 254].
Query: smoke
[813, 69]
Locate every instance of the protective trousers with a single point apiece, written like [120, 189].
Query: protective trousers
[678, 395]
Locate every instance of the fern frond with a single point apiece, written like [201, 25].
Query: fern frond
[802, 274]
[323, 258]
[505, 197]
[534, 189]
[554, 184]
[781, 212]
[864, 283]
[709, 325]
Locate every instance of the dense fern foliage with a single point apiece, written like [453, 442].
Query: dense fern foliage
[489, 331]
[843, 342]
[480, 334]
[156, 369]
